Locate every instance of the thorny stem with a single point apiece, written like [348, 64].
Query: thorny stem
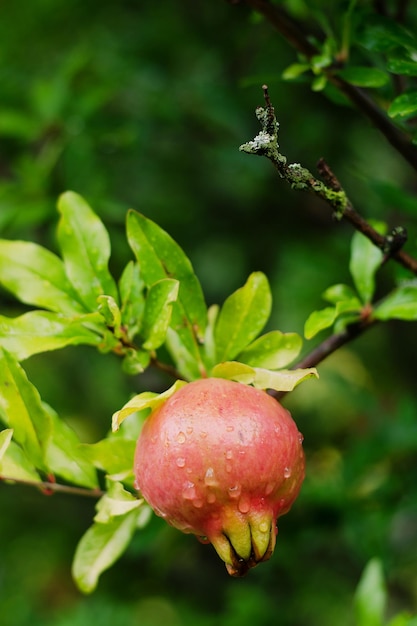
[292, 32]
[266, 144]
[48, 488]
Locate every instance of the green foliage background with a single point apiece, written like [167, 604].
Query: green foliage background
[144, 105]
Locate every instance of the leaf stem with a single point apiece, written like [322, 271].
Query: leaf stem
[49, 488]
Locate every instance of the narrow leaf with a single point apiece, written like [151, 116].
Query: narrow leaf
[319, 320]
[273, 350]
[404, 105]
[37, 276]
[21, 409]
[400, 304]
[113, 455]
[5, 439]
[364, 76]
[242, 317]
[158, 310]
[100, 547]
[145, 400]
[234, 370]
[131, 287]
[64, 455]
[14, 464]
[365, 259]
[336, 293]
[41, 331]
[370, 596]
[116, 501]
[282, 380]
[159, 257]
[85, 246]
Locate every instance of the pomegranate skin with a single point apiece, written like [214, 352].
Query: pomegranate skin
[222, 460]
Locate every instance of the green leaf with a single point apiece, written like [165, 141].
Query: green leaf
[159, 257]
[295, 70]
[282, 380]
[64, 456]
[41, 331]
[113, 455]
[21, 409]
[116, 501]
[158, 310]
[370, 596]
[382, 34]
[100, 547]
[14, 463]
[85, 246]
[109, 310]
[365, 259]
[319, 320]
[37, 276]
[340, 292]
[135, 361]
[401, 65]
[145, 400]
[131, 287]
[234, 370]
[404, 105]
[364, 76]
[400, 304]
[242, 317]
[5, 439]
[273, 350]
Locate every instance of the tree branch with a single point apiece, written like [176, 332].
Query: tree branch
[266, 144]
[293, 33]
[328, 346]
[48, 488]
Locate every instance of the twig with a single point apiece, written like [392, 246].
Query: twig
[292, 32]
[328, 346]
[266, 144]
[48, 488]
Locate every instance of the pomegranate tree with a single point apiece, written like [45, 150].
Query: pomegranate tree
[223, 461]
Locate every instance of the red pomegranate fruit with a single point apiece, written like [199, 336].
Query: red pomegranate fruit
[222, 460]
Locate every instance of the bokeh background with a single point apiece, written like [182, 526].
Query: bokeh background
[144, 104]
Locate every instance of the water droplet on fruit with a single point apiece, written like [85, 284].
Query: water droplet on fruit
[189, 492]
[211, 498]
[230, 429]
[210, 478]
[203, 434]
[229, 454]
[229, 467]
[235, 491]
[244, 504]
[197, 503]
[269, 488]
[189, 430]
[287, 472]
[180, 461]
[300, 437]
[181, 437]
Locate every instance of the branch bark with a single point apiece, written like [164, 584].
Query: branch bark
[300, 178]
[49, 488]
[293, 33]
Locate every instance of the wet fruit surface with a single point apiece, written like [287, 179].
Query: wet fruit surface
[222, 460]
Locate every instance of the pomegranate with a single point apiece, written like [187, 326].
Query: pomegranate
[222, 460]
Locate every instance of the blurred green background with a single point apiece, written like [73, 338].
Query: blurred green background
[144, 104]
